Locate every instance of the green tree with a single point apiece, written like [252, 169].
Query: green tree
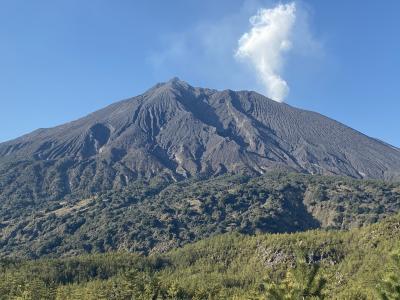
[174, 291]
[389, 288]
[301, 282]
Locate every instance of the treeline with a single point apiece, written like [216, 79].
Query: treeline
[357, 264]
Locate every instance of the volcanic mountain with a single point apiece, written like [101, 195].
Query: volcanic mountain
[180, 131]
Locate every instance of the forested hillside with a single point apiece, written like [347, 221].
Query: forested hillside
[357, 264]
[155, 216]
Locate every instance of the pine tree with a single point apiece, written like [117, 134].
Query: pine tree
[389, 288]
[174, 291]
[302, 282]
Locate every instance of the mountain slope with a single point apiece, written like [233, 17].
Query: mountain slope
[353, 264]
[181, 131]
[154, 216]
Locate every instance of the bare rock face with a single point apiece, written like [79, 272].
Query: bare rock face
[182, 131]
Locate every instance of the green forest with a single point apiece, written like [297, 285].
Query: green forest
[155, 216]
[276, 236]
[361, 263]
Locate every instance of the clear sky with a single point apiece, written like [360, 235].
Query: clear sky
[62, 59]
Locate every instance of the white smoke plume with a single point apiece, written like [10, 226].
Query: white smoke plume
[265, 44]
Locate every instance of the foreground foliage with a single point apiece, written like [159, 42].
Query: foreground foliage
[356, 264]
[389, 288]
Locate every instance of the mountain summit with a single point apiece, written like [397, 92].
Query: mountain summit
[182, 131]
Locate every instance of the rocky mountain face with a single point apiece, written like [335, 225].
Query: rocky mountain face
[179, 131]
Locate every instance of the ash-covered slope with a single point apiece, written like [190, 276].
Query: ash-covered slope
[181, 131]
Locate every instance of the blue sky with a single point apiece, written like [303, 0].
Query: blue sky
[60, 60]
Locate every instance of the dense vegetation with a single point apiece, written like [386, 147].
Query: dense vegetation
[357, 264]
[155, 216]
